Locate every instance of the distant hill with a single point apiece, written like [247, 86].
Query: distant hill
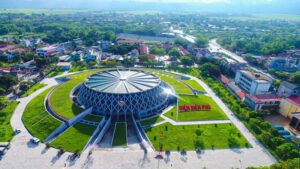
[232, 6]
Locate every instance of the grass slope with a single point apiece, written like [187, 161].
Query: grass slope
[60, 99]
[215, 113]
[33, 89]
[195, 85]
[37, 120]
[6, 131]
[170, 78]
[75, 138]
[190, 137]
[120, 135]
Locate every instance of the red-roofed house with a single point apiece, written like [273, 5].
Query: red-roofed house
[224, 79]
[289, 105]
[144, 49]
[263, 101]
[130, 42]
[18, 73]
[183, 51]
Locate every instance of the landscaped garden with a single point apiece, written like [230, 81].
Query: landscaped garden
[75, 138]
[33, 89]
[60, 99]
[37, 120]
[191, 137]
[6, 131]
[120, 135]
[215, 113]
[152, 120]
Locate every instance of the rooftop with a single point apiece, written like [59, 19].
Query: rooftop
[260, 98]
[256, 76]
[122, 81]
[289, 85]
[294, 100]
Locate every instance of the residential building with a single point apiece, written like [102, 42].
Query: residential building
[105, 44]
[144, 49]
[240, 94]
[231, 65]
[183, 51]
[263, 101]
[284, 63]
[289, 105]
[287, 89]
[47, 51]
[18, 73]
[295, 122]
[253, 82]
[133, 54]
[64, 66]
[130, 42]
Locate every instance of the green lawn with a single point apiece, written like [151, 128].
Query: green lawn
[94, 118]
[152, 120]
[120, 135]
[33, 89]
[190, 137]
[215, 113]
[195, 85]
[60, 99]
[170, 78]
[37, 120]
[6, 131]
[75, 138]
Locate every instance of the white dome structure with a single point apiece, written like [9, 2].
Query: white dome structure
[121, 92]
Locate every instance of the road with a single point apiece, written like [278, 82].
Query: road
[215, 47]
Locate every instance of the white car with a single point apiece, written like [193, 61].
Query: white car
[35, 140]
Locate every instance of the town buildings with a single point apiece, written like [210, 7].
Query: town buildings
[47, 51]
[263, 102]
[253, 82]
[130, 42]
[289, 106]
[287, 89]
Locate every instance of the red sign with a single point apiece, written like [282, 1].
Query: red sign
[187, 108]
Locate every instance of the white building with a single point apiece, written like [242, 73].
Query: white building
[253, 82]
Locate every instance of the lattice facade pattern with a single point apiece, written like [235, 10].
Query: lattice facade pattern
[141, 104]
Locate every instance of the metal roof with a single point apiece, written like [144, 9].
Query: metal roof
[122, 81]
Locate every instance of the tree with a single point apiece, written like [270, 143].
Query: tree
[40, 62]
[157, 51]
[174, 52]
[201, 41]
[209, 69]
[295, 77]
[287, 151]
[187, 61]
[3, 101]
[24, 86]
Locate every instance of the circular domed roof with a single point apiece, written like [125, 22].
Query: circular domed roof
[122, 81]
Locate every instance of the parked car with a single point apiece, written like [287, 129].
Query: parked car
[35, 140]
[17, 131]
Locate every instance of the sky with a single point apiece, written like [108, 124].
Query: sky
[229, 6]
